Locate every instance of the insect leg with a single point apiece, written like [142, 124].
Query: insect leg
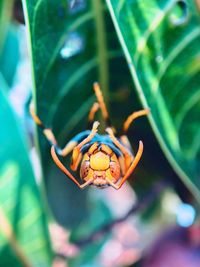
[50, 136]
[125, 141]
[101, 103]
[93, 110]
[127, 154]
[77, 150]
[65, 170]
[47, 131]
[92, 113]
[131, 168]
[122, 164]
[132, 117]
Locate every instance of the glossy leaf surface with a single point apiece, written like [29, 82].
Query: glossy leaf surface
[24, 239]
[161, 42]
[9, 43]
[5, 16]
[9, 58]
[73, 44]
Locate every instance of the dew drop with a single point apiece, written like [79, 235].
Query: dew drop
[76, 5]
[73, 45]
[159, 58]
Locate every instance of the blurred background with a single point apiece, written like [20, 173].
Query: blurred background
[143, 55]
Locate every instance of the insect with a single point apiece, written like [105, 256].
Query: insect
[104, 159]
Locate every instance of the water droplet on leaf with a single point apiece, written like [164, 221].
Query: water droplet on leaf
[73, 45]
[159, 59]
[76, 5]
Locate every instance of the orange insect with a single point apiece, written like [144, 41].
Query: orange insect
[105, 160]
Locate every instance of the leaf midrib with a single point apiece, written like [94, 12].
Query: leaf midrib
[101, 46]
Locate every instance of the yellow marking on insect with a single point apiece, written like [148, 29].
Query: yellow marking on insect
[106, 149]
[122, 164]
[114, 158]
[75, 155]
[85, 157]
[109, 176]
[93, 148]
[89, 176]
[99, 161]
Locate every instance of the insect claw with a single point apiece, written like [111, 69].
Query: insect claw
[96, 125]
[112, 184]
[109, 131]
[58, 150]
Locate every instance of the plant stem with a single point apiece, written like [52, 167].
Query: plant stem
[101, 46]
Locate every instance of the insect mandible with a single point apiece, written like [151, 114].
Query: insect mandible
[104, 159]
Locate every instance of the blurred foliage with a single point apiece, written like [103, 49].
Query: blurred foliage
[23, 229]
[9, 44]
[88, 250]
[5, 15]
[24, 235]
[175, 241]
[10, 55]
[74, 43]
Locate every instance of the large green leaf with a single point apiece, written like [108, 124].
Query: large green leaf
[72, 44]
[161, 42]
[24, 239]
[70, 49]
[5, 15]
[10, 55]
[9, 43]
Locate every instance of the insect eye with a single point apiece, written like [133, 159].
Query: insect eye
[114, 169]
[85, 167]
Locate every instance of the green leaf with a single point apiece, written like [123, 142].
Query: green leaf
[24, 239]
[70, 50]
[161, 41]
[5, 15]
[9, 43]
[65, 59]
[10, 54]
